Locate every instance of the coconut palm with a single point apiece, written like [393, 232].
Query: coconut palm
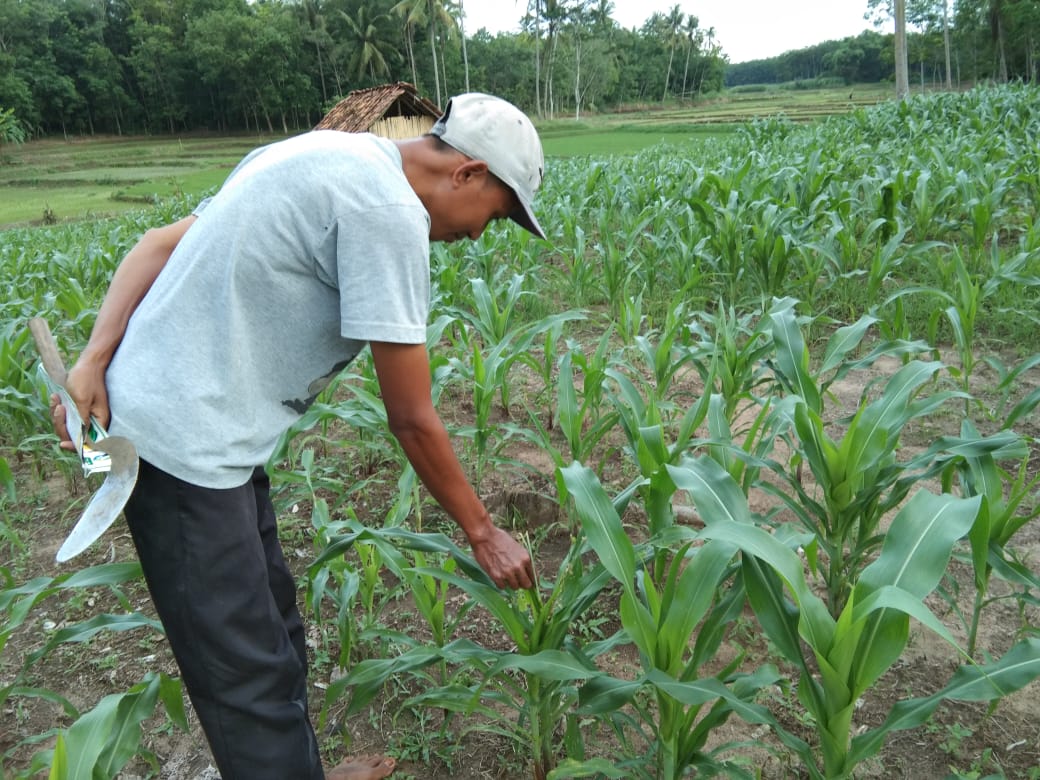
[692, 34]
[315, 32]
[998, 29]
[670, 25]
[413, 12]
[902, 68]
[371, 46]
[435, 14]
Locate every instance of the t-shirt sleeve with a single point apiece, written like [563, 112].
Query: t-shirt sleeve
[383, 273]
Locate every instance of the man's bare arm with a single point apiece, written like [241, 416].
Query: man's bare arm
[130, 283]
[404, 382]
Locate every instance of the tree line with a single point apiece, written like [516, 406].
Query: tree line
[158, 66]
[127, 66]
[948, 43]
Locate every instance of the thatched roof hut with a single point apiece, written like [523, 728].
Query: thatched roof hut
[391, 111]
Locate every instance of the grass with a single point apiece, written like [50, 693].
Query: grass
[56, 180]
[608, 142]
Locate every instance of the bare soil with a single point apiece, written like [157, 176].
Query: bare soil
[965, 738]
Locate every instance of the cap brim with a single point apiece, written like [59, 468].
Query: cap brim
[525, 218]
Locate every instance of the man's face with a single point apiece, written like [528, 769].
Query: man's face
[467, 202]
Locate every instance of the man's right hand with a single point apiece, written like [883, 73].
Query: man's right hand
[504, 559]
[85, 383]
[131, 282]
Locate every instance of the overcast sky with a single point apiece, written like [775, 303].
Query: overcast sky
[746, 29]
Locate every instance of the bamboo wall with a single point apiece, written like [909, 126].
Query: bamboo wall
[402, 126]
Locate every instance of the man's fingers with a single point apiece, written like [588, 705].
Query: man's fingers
[58, 421]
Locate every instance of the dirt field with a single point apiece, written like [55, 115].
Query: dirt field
[963, 738]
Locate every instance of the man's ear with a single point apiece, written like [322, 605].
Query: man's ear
[469, 171]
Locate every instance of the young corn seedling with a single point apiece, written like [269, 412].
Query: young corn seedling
[101, 742]
[493, 314]
[858, 478]
[355, 589]
[578, 415]
[487, 375]
[536, 683]
[664, 352]
[967, 294]
[1008, 503]
[677, 621]
[651, 451]
[533, 684]
[771, 246]
[730, 351]
[839, 658]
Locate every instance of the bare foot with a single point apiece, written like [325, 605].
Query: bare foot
[362, 768]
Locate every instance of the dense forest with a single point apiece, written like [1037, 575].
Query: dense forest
[131, 66]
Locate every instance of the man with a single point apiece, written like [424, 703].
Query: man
[216, 334]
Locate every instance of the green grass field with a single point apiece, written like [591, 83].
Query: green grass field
[96, 177]
[83, 178]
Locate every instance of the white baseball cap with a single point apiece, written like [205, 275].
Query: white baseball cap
[488, 128]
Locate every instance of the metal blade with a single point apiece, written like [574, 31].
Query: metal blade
[106, 504]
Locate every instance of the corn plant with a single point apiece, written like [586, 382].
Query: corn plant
[1008, 379]
[664, 352]
[536, 682]
[545, 362]
[771, 246]
[581, 276]
[746, 451]
[540, 627]
[1008, 503]
[486, 372]
[982, 190]
[21, 410]
[932, 195]
[7, 487]
[16, 603]
[651, 451]
[581, 423]
[967, 294]
[731, 350]
[100, 742]
[858, 478]
[347, 587]
[494, 313]
[659, 615]
[839, 658]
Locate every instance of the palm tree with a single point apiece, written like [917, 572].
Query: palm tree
[902, 68]
[371, 46]
[314, 32]
[462, 33]
[998, 29]
[414, 14]
[693, 40]
[435, 14]
[670, 27]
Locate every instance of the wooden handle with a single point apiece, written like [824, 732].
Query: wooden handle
[41, 333]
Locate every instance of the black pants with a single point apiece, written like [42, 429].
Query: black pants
[219, 582]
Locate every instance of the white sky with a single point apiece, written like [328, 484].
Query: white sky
[746, 29]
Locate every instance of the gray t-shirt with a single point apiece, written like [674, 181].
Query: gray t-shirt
[313, 247]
